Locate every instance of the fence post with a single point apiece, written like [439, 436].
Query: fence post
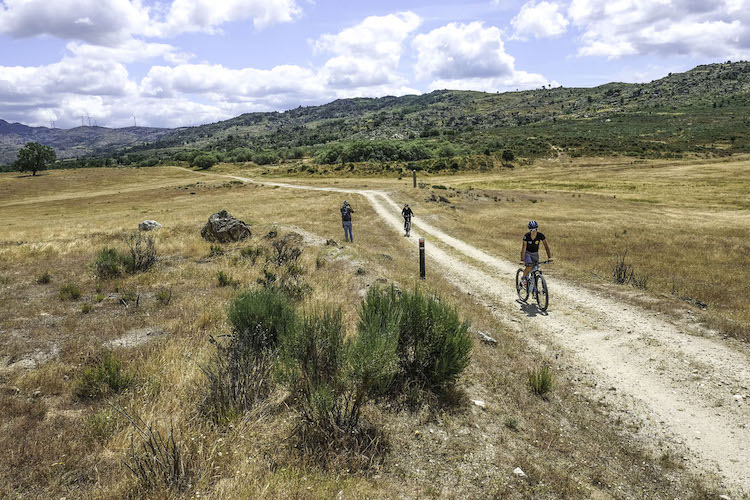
[421, 259]
[414, 176]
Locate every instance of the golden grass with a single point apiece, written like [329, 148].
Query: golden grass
[436, 451]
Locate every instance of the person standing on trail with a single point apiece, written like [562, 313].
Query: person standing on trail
[530, 249]
[346, 221]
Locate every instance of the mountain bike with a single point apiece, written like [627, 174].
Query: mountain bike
[407, 226]
[536, 286]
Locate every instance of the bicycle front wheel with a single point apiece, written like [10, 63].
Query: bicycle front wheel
[542, 296]
[522, 291]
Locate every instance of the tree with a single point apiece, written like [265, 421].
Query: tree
[205, 161]
[508, 156]
[34, 157]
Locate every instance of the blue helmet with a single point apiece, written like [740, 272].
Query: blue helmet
[533, 225]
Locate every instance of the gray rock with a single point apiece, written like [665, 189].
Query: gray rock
[149, 225]
[519, 472]
[486, 338]
[223, 228]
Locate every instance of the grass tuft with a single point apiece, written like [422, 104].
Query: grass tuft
[104, 378]
[541, 380]
[70, 291]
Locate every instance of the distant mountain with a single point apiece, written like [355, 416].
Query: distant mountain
[705, 109]
[75, 142]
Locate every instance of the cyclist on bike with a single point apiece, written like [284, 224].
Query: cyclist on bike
[530, 249]
[407, 214]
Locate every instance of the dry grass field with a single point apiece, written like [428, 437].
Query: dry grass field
[569, 445]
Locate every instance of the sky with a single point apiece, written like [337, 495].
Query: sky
[177, 63]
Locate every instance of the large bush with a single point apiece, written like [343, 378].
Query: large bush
[260, 318]
[434, 345]
[204, 161]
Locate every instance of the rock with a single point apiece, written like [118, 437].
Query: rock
[36, 394]
[486, 338]
[518, 472]
[360, 271]
[444, 199]
[332, 243]
[272, 234]
[223, 228]
[479, 403]
[738, 398]
[725, 497]
[149, 225]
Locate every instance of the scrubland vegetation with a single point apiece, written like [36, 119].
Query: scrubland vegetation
[323, 371]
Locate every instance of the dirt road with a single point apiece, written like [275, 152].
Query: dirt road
[681, 386]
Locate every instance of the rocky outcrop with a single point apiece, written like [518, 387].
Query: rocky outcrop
[223, 228]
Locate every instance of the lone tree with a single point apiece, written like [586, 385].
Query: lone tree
[34, 157]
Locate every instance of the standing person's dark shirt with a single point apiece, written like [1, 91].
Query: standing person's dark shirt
[407, 213]
[532, 245]
[346, 213]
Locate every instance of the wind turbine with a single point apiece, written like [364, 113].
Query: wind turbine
[89, 117]
[81, 120]
[135, 124]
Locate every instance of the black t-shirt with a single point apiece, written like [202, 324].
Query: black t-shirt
[533, 245]
[407, 213]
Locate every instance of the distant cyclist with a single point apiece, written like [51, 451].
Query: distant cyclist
[407, 214]
[346, 221]
[530, 249]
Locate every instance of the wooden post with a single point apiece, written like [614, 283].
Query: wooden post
[421, 259]
[414, 176]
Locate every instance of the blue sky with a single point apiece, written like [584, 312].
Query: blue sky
[185, 62]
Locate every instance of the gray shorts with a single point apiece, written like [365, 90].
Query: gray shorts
[531, 258]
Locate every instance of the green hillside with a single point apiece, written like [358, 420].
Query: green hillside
[704, 110]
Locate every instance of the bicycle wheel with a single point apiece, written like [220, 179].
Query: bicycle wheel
[542, 296]
[522, 291]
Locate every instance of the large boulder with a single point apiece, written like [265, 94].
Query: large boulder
[223, 228]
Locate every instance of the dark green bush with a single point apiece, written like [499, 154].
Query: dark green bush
[252, 253]
[108, 263]
[105, 377]
[204, 161]
[434, 345]
[259, 318]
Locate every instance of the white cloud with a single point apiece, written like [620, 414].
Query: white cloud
[187, 16]
[367, 55]
[469, 56]
[113, 22]
[716, 29]
[101, 22]
[130, 51]
[539, 20]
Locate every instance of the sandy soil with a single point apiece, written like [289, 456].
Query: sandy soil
[683, 386]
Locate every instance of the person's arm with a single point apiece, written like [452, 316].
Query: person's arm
[546, 247]
[523, 252]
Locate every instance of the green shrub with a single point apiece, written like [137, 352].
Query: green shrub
[86, 308]
[164, 296]
[204, 161]
[70, 291]
[44, 278]
[374, 356]
[541, 380]
[225, 280]
[259, 318]
[101, 425]
[434, 345]
[439, 186]
[105, 377]
[108, 263]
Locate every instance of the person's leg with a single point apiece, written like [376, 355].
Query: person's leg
[351, 234]
[346, 232]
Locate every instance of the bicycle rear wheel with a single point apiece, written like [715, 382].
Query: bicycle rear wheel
[522, 291]
[542, 296]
